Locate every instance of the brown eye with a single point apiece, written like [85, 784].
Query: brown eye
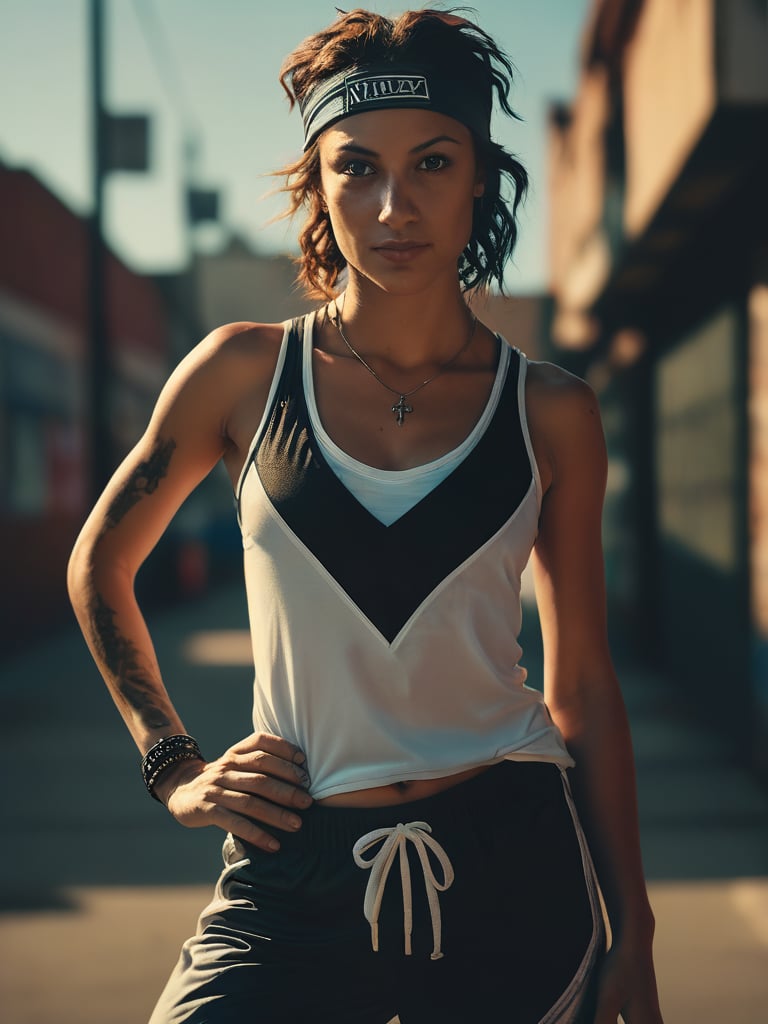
[357, 169]
[434, 162]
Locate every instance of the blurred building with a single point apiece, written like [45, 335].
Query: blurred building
[43, 467]
[237, 283]
[152, 323]
[659, 246]
[520, 319]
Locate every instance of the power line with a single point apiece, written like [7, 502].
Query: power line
[161, 53]
[201, 204]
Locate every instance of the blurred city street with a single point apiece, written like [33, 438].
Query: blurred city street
[99, 887]
[130, 169]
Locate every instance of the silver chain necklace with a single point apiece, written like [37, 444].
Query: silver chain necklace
[401, 407]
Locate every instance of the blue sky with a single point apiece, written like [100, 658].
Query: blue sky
[218, 62]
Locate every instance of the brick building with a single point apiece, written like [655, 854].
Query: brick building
[43, 315]
[659, 244]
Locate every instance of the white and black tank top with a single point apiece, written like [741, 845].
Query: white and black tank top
[389, 652]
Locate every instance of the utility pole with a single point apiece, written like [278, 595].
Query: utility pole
[98, 376]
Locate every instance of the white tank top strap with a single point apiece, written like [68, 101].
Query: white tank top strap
[521, 379]
[287, 326]
[389, 494]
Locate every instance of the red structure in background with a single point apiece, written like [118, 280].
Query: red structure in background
[43, 309]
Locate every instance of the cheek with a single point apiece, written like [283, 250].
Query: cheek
[350, 214]
[342, 229]
[457, 216]
[446, 213]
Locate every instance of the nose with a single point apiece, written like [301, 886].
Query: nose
[397, 205]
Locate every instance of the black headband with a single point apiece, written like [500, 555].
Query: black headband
[387, 86]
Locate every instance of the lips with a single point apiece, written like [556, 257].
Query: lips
[401, 251]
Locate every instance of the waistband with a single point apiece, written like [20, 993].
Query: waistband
[515, 781]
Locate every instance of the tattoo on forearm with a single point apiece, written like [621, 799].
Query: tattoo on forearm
[143, 481]
[123, 660]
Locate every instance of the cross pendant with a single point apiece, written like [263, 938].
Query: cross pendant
[400, 409]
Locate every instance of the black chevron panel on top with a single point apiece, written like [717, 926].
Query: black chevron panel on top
[387, 571]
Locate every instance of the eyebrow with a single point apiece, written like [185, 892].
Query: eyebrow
[352, 147]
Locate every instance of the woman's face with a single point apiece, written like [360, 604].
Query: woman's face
[400, 186]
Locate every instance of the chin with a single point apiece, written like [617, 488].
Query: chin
[406, 280]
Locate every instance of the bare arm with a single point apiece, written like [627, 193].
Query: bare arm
[186, 437]
[580, 683]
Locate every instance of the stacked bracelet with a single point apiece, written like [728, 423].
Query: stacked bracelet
[166, 752]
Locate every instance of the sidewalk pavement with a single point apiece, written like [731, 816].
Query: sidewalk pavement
[98, 887]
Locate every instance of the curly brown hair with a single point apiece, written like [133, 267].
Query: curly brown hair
[441, 40]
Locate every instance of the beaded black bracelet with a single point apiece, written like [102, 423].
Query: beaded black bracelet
[168, 751]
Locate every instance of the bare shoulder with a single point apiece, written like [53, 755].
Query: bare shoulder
[549, 384]
[244, 336]
[239, 361]
[564, 420]
[242, 342]
[227, 362]
[209, 383]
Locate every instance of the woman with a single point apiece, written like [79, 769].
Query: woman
[394, 464]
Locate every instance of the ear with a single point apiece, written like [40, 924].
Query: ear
[479, 189]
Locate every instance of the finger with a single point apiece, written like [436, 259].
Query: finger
[259, 762]
[245, 829]
[266, 786]
[265, 741]
[261, 811]
[261, 798]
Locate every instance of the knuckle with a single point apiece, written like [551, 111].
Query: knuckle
[297, 797]
[304, 798]
[227, 760]
[261, 762]
[218, 770]
[261, 778]
[278, 791]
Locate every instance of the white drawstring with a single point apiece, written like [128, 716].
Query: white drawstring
[396, 839]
